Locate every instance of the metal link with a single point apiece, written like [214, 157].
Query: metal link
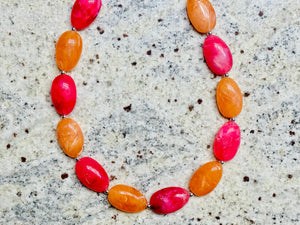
[209, 33]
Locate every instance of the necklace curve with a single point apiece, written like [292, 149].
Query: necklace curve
[70, 137]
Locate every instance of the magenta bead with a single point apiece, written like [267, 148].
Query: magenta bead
[84, 12]
[91, 174]
[63, 94]
[169, 200]
[227, 141]
[217, 55]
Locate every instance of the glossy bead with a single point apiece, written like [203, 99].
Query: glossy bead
[84, 12]
[201, 14]
[217, 55]
[206, 178]
[169, 200]
[63, 94]
[70, 137]
[227, 141]
[127, 199]
[229, 98]
[91, 174]
[68, 50]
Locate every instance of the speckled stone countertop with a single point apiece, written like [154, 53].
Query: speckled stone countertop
[146, 55]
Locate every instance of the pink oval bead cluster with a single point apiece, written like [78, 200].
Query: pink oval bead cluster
[90, 173]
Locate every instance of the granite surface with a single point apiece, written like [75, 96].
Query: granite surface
[146, 105]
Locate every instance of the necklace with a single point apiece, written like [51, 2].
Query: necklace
[90, 173]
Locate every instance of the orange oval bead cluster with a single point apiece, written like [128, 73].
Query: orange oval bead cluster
[229, 98]
[201, 14]
[127, 198]
[206, 178]
[70, 138]
[68, 50]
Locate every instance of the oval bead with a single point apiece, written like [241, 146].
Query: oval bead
[70, 137]
[84, 12]
[91, 174]
[227, 141]
[169, 200]
[63, 94]
[217, 55]
[68, 50]
[201, 14]
[206, 178]
[229, 98]
[127, 199]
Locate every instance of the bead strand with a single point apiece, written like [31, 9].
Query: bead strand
[90, 173]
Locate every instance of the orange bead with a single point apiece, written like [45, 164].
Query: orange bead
[206, 178]
[68, 50]
[127, 199]
[201, 14]
[70, 137]
[229, 98]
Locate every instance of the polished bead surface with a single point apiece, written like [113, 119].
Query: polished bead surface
[229, 98]
[127, 199]
[201, 14]
[84, 12]
[217, 55]
[91, 174]
[63, 94]
[68, 50]
[70, 137]
[206, 178]
[227, 141]
[169, 200]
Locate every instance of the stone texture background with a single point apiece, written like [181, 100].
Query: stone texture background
[167, 134]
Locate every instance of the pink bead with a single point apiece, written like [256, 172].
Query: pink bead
[169, 200]
[227, 141]
[63, 94]
[91, 174]
[84, 12]
[217, 55]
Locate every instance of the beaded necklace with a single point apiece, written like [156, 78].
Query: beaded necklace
[91, 174]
